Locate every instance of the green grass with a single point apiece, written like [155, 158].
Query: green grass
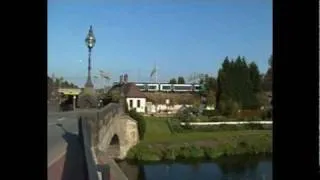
[160, 144]
[157, 131]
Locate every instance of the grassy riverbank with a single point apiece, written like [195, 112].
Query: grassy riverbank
[160, 144]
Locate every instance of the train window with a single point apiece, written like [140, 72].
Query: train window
[138, 103]
[183, 87]
[131, 103]
[166, 87]
[152, 87]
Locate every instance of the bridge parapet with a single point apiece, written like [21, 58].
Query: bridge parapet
[96, 119]
[97, 127]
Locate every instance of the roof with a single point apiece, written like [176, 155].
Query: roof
[132, 91]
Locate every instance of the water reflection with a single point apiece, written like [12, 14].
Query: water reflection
[231, 168]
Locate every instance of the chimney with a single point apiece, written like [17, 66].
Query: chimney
[125, 78]
[121, 79]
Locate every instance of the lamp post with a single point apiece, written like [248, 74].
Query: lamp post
[74, 102]
[90, 42]
[88, 98]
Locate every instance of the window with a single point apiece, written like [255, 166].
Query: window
[138, 103]
[131, 103]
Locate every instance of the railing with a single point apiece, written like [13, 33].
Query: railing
[230, 122]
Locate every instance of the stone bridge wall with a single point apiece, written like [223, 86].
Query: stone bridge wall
[97, 127]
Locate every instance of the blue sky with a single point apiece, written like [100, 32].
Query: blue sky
[181, 38]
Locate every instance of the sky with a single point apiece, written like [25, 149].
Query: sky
[179, 37]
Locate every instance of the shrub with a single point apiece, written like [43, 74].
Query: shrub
[234, 145]
[170, 153]
[190, 152]
[224, 127]
[266, 114]
[229, 107]
[186, 115]
[174, 126]
[253, 126]
[141, 122]
[210, 113]
[218, 119]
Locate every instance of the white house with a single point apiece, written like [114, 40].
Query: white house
[135, 98]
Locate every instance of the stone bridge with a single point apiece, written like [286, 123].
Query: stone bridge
[107, 134]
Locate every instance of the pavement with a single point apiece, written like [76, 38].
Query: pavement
[65, 154]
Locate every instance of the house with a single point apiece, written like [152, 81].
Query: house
[134, 97]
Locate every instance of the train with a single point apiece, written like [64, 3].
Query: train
[166, 87]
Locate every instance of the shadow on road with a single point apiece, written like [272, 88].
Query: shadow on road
[74, 166]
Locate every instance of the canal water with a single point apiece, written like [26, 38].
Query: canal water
[227, 168]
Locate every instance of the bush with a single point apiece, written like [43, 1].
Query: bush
[140, 120]
[186, 115]
[224, 127]
[248, 145]
[253, 126]
[174, 126]
[210, 113]
[229, 107]
[266, 114]
[190, 152]
[218, 119]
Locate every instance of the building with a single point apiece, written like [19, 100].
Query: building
[135, 98]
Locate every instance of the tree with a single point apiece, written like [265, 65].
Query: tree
[255, 77]
[239, 82]
[211, 98]
[173, 81]
[181, 80]
[270, 61]
[210, 83]
[267, 79]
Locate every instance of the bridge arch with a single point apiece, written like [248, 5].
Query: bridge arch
[113, 149]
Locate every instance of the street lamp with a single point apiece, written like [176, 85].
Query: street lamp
[74, 102]
[88, 99]
[90, 42]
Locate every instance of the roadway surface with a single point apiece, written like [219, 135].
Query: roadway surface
[56, 143]
[65, 153]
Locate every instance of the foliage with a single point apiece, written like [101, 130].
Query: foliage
[248, 114]
[229, 107]
[175, 126]
[267, 114]
[210, 113]
[158, 131]
[239, 82]
[255, 77]
[111, 96]
[224, 144]
[141, 122]
[267, 78]
[187, 114]
[181, 80]
[53, 84]
[209, 82]
[210, 97]
[173, 81]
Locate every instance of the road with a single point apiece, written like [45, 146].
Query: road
[56, 143]
[65, 154]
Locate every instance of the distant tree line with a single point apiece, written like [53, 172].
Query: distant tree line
[267, 78]
[239, 85]
[179, 81]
